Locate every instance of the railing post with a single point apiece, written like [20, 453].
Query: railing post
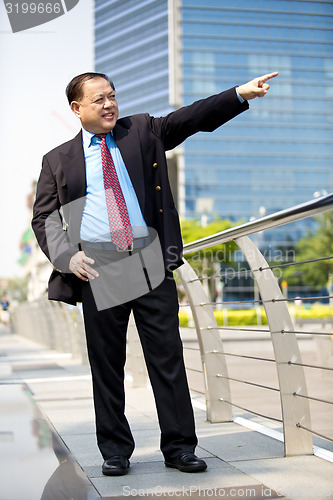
[292, 381]
[46, 311]
[76, 334]
[81, 335]
[214, 365]
[61, 333]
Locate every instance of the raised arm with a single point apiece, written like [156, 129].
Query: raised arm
[204, 115]
[208, 114]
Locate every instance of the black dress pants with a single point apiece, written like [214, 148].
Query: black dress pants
[156, 317]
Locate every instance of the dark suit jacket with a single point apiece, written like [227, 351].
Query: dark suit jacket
[142, 141]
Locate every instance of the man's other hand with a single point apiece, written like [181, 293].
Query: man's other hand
[256, 87]
[79, 265]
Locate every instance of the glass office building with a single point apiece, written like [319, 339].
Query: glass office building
[131, 46]
[162, 54]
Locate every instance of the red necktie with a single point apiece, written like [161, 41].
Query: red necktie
[120, 226]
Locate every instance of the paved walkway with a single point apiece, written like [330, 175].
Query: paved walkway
[242, 463]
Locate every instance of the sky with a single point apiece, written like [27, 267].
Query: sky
[35, 67]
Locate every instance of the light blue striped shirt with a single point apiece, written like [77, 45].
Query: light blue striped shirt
[95, 222]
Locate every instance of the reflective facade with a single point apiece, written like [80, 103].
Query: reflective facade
[35, 463]
[131, 46]
[274, 156]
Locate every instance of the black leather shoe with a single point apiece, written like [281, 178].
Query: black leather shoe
[186, 462]
[115, 466]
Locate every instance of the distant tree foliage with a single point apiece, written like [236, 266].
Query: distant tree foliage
[314, 245]
[193, 230]
[210, 261]
[16, 288]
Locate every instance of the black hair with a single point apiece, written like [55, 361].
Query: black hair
[74, 88]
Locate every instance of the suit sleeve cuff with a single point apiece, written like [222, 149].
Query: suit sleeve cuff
[241, 100]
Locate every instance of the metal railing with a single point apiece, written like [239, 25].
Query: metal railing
[291, 380]
[54, 325]
[61, 328]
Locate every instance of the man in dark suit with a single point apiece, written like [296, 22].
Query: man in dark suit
[72, 223]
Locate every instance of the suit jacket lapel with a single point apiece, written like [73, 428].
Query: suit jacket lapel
[73, 163]
[74, 168]
[129, 145]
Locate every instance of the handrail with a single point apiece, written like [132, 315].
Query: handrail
[290, 369]
[298, 212]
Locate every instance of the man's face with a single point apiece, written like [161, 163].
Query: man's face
[98, 108]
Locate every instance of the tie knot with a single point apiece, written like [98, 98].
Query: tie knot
[100, 136]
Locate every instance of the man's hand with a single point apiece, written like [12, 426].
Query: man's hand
[256, 88]
[79, 266]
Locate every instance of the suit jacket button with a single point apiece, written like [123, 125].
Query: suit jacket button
[161, 210]
[155, 165]
[158, 188]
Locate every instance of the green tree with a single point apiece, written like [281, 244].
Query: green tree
[17, 288]
[207, 262]
[316, 244]
[192, 230]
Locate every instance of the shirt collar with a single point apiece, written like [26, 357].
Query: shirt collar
[87, 137]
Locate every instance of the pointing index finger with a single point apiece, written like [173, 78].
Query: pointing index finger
[268, 76]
